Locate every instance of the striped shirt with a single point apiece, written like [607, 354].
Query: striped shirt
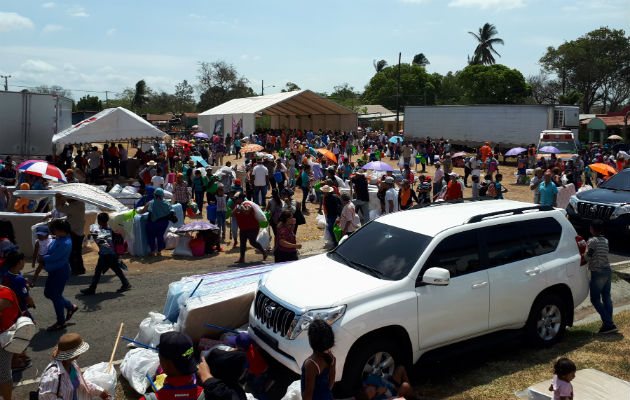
[597, 253]
[55, 384]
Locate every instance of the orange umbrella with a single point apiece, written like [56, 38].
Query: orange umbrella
[251, 148]
[328, 154]
[602, 168]
[181, 142]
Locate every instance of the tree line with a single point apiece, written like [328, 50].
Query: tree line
[592, 71]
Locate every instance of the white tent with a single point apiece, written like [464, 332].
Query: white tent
[112, 124]
[300, 109]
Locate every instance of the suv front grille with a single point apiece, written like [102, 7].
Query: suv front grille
[591, 210]
[273, 315]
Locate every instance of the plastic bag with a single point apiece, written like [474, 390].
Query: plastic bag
[258, 212]
[136, 365]
[97, 375]
[183, 248]
[170, 240]
[264, 238]
[337, 231]
[294, 392]
[152, 327]
[321, 221]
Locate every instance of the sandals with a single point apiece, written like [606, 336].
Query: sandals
[70, 313]
[56, 327]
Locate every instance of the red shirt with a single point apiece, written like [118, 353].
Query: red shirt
[453, 190]
[257, 364]
[9, 315]
[178, 387]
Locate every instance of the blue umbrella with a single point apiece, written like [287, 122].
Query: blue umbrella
[378, 166]
[201, 135]
[515, 151]
[395, 139]
[549, 149]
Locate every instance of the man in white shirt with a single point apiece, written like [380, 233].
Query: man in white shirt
[391, 197]
[157, 181]
[124, 159]
[438, 178]
[261, 180]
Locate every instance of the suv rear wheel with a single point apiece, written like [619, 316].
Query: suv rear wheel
[547, 320]
[376, 357]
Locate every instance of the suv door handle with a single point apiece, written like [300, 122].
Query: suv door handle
[479, 285]
[533, 272]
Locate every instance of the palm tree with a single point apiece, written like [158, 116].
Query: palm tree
[486, 40]
[475, 60]
[379, 65]
[421, 60]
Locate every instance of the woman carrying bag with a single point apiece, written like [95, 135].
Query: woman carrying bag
[159, 217]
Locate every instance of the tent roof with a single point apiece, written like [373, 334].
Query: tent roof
[298, 102]
[112, 124]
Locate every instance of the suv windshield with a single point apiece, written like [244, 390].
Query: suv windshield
[564, 147]
[619, 181]
[385, 251]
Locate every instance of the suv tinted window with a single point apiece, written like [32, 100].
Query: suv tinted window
[507, 243]
[458, 253]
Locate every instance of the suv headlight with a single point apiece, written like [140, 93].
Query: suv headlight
[619, 211]
[573, 200]
[329, 315]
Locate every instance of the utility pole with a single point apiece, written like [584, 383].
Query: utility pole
[398, 98]
[6, 84]
[106, 99]
[262, 88]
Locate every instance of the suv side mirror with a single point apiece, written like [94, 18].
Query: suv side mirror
[343, 239]
[436, 276]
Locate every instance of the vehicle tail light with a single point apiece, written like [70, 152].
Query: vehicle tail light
[581, 243]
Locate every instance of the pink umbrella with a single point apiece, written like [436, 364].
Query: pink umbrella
[460, 154]
[43, 169]
[359, 128]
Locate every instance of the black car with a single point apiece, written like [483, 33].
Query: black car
[610, 202]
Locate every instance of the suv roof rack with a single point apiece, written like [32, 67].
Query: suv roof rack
[515, 211]
[455, 201]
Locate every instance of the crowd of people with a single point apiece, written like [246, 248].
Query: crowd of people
[328, 171]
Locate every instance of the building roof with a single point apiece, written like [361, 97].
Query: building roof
[190, 115]
[159, 117]
[297, 102]
[616, 120]
[374, 109]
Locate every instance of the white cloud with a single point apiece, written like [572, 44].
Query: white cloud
[69, 67]
[488, 4]
[50, 4]
[77, 11]
[195, 16]
[10, 21]
[111, 31]
[36, 66]
[50, 28]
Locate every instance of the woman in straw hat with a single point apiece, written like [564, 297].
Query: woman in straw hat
[62, 378]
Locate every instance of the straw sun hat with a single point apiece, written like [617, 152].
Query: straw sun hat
[70, 346]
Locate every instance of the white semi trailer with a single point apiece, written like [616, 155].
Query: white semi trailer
[28, 122]
[505, 125]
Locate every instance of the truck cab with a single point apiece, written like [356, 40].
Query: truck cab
[562, 140]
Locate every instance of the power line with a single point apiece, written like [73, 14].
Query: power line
[70, 90]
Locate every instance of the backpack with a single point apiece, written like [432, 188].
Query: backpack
[492, 190]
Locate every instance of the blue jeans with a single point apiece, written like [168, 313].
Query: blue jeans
[263, 191]
[155, 231]
[364, 208]
[53, 290]
[221, 222]
[330, 226]
[199, 201]
[600, 295]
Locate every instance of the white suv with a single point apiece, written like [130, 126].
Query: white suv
[413, 281]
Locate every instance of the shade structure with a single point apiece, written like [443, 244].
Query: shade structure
[201, 135]
[615, 137]
[328, 154]
[515, 151]
[460, 154]
[549, 149]
[602, 168]
[110, 125]
[197, 226]
[378, 166]
[299, 109]
[80, 191]
[43, 169]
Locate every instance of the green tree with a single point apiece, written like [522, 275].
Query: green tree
[485, 42]
[421, 60]
[544, 89]
[492, 84]
[450, 91]
[345, 95]
[413, 87]
[219, 82]
[379, 65]
[290, 87]
[89, 103]
[184, 97]
[140, 95]
[597, 65]
[123, 99]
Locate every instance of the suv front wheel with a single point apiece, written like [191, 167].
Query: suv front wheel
[547, 321]
[375, 357]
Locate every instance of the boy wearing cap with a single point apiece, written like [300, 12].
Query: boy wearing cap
[176, 354]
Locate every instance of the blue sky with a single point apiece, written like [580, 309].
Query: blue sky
[109, 45]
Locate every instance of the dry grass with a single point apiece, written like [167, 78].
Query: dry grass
[501, 370]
